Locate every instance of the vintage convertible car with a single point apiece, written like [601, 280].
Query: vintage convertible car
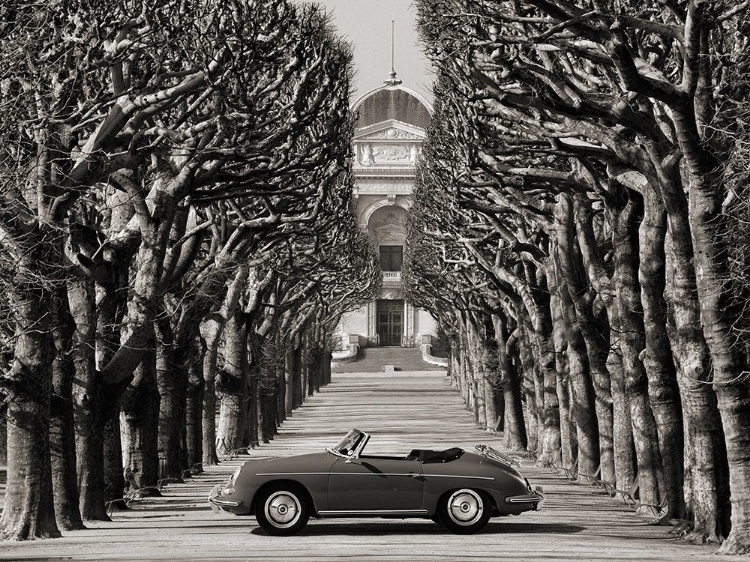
[457, 489]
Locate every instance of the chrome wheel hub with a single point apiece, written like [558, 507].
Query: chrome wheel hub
[282, 509]
[465, 507]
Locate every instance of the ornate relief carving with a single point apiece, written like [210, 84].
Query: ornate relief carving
[366, 157]
[392, 133]
[391, 153]
[413, 154]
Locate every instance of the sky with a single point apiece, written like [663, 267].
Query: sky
[367, 25]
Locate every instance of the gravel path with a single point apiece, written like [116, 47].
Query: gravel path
[401, 410]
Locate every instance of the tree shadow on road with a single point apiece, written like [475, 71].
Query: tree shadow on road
[532, 528]
[500, 528]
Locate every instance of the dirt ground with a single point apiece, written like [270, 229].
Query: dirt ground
[401, 410]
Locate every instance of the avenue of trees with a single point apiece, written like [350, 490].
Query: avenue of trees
[580, 231]
[176, 238]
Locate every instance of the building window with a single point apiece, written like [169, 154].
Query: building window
[391, 258]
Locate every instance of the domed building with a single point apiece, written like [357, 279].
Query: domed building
[391, 127]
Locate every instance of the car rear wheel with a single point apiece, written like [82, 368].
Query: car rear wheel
[465, 511]
[282, 510]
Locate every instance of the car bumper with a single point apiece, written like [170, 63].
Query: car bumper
[535, 498]
[219, 502]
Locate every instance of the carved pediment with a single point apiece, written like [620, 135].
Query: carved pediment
[389, 143]
[391, 133]
[390, 130]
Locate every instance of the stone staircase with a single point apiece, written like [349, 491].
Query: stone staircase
[375, 360]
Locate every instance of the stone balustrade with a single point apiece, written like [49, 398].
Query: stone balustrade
[348, 355]
[391, 277]
[425, 345]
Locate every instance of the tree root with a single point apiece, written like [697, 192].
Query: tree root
[27, 532]
[688, 532]
[664, 521]
[735, 544]
[682, 527]
[700, 537]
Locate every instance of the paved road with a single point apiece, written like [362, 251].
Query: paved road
[402, 410]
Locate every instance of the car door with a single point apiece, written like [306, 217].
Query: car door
[376, 484]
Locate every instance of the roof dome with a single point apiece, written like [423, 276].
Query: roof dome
[392, 101]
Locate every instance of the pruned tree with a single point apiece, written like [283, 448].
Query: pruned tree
[592, 122]
[153, 156]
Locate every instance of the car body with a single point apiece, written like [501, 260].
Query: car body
[458, 489]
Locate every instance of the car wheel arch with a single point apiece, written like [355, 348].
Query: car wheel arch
[488, 493]
[294, 485]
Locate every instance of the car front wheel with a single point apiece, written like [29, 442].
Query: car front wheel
[465, 511]
[282, 511]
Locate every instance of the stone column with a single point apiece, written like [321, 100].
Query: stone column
[372, 331]
[408, 324]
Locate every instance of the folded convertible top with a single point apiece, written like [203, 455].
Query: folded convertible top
[427, 456]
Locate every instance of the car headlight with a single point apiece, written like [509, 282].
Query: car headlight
[229, 488]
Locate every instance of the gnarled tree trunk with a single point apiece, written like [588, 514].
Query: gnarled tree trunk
[546, 361]
[139, 420]
[534, 389]
[587, 428]
[61, 430]
[29, 509]
[595, 331]
[568, 437]
[658, 362]
[231, 384]
[194, 404]
[632, 343]
[514, 429]
[85, 391]
[704, 437]
[718, 315]
[211, 329]
[171, 378]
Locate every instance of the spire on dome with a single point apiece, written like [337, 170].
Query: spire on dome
[392, 80]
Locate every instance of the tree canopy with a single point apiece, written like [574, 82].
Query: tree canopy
[580, 198]
[175, 200]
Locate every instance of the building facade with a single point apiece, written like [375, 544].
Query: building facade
[388, 138]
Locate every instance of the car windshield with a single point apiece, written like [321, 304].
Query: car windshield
[349, 442]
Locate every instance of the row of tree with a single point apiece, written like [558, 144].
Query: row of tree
[580, 231]
[175, 227]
